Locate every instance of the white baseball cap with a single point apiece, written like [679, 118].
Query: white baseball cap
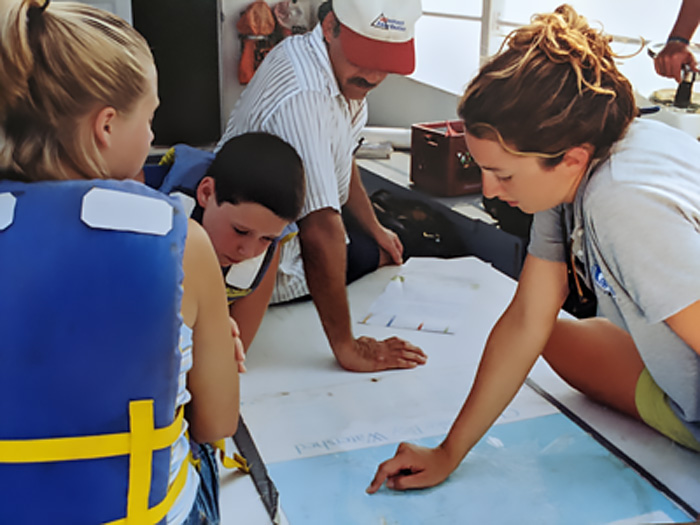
[378, 34]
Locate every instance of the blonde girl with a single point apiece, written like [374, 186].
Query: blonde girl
[78, 90]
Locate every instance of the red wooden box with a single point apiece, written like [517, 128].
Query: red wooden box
[440, 162]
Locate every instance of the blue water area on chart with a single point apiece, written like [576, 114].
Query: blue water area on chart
[540, 471]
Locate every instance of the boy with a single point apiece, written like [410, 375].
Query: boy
[247, 198]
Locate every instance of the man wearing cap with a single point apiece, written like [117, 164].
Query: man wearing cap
[310, 90]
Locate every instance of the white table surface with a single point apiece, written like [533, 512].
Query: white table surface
[293, 376]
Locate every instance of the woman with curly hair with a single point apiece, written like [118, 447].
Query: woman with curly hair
[554, 127]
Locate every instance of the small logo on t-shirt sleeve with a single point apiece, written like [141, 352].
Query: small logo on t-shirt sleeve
[600, 281]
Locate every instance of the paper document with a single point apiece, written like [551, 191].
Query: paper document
[421, 298]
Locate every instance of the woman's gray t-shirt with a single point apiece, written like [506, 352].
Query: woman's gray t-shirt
[635, 226]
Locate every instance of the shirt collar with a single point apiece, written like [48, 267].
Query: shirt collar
[576, 236]
[320, 51]
[581, 191]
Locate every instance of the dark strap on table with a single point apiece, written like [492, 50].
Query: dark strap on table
[264, 485]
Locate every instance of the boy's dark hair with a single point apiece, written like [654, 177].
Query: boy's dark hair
[260, 168]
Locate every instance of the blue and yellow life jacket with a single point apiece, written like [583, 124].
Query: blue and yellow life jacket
[90, 295]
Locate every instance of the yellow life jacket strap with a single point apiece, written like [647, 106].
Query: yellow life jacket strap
[139, 444]
[85, 447]
[168, 158]
[231, 461]
[287, 238]
[228, 461]
[157, 513]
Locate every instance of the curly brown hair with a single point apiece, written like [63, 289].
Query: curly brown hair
[552, 86]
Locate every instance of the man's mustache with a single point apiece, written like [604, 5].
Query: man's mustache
[361, 83]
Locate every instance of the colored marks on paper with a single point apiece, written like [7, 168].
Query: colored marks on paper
[408, 322]
[414, 303]
[437, 295]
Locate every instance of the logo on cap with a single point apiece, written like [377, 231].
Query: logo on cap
[388, 24]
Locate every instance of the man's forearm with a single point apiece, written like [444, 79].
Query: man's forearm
[359, 204]
[687, 21]
[322, 237]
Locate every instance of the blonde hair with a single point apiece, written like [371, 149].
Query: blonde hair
[58, 63]
[552, 86]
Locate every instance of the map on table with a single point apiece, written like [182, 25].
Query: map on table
[544, 470]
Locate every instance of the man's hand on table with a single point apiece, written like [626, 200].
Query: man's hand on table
[391, 244]
[367, 354]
